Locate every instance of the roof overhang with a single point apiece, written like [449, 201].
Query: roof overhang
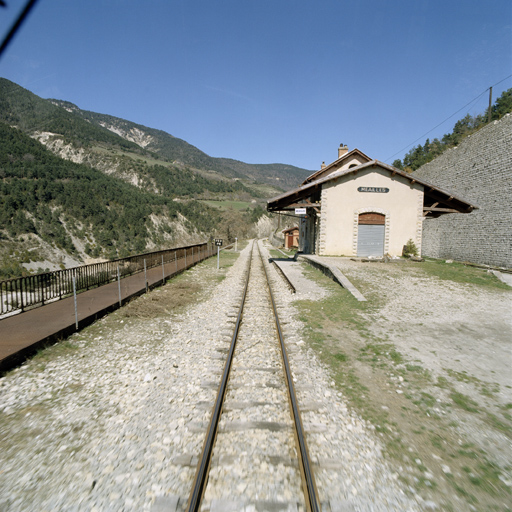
[435, 200]
[297, 198]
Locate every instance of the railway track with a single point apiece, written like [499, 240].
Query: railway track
[255, 452]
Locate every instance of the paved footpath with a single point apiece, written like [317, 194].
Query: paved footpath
[22, 333]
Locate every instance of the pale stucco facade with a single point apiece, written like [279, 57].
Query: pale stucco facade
[361, 207]
[342, 203]
[352, 161]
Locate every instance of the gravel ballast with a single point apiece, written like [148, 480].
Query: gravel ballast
[116, 420]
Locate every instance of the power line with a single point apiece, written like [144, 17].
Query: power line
[437, 126]
[455, 113]
[497, 83]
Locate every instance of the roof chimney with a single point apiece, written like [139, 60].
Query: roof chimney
[323, 165]
[342, 150]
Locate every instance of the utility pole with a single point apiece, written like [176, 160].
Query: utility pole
[490, 105]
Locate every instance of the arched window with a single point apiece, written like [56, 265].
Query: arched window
[372, 218]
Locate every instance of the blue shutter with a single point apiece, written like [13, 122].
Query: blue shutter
[370, 240]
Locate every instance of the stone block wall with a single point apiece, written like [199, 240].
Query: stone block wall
[479, 171]
[276, 238]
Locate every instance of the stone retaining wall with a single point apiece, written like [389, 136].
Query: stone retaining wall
[276, 238]
[479, 170]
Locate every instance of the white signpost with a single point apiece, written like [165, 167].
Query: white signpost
[218, 243]
[300, 211]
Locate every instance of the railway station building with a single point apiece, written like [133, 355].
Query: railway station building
[357, 206]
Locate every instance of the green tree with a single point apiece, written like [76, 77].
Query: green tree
[503, 105]
[420, 155]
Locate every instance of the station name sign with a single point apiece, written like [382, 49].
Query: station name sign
[380, 190]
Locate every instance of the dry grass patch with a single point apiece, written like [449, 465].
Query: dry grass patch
[417, 414]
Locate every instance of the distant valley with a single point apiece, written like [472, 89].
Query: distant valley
[78, 186]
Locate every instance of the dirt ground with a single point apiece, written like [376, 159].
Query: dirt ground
[427, 360]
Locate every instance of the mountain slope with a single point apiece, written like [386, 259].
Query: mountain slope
[85, 131]
[29, 113]
[82, 211]
[76, 185]
[67, 133]
[179, 151]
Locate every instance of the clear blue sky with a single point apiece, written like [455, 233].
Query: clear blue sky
[269, 80]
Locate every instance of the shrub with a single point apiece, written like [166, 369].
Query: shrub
[409, 249]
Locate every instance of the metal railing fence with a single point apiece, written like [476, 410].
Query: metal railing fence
[36, 290]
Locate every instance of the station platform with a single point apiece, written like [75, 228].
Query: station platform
[22, 334]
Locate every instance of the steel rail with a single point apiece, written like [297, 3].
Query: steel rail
[306, 469]
[203, 466]
[284, 276]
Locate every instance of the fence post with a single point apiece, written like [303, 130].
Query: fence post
[74, 300]
[42, 287]
[21, 293]
[119, 284]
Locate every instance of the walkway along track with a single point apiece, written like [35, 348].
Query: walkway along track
[21, 335]
[250, 431]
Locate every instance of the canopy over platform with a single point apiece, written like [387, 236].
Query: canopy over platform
[436, 201]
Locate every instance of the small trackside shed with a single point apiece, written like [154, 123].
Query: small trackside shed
[291, 237]
[362, 207]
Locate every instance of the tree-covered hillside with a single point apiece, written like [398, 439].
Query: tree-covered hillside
[62, 202]
[83, 129]
[77, 185]
[423, 154]
[29, 113]
[173, 149]
[54, 121]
